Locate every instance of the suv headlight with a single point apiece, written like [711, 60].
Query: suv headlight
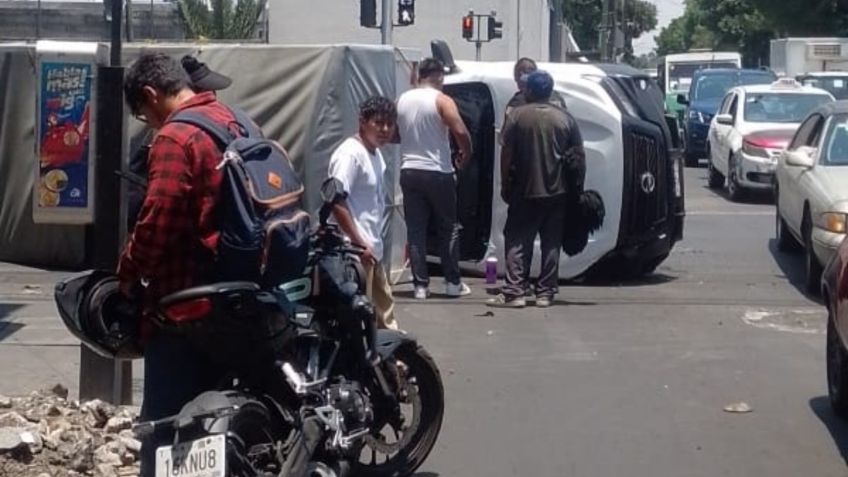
[836, 222]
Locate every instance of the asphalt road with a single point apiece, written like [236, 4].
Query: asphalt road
[625, 379]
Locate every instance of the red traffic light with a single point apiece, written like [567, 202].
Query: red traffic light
[468, 27]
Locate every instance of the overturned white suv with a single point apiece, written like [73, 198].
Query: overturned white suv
[631, 154]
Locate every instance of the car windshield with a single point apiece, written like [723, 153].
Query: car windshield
[780, 107]
[715, 86]
[836, 142]
[680, 74]
[835, 85]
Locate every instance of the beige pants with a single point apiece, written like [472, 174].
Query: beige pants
[380, 293]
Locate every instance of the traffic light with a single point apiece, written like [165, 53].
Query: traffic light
[495, 29]
[468, 27]
[368, 13]
[406, 12]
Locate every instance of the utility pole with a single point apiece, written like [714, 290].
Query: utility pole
[518, 29]
[101, 378]
[388, 23]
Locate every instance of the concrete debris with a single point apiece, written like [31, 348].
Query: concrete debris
[45, 435]
[738, 408]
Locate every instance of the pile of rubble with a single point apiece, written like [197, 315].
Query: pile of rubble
[47, 435]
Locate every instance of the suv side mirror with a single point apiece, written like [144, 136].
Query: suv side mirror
[801, 157]
[725, 119]
[682, 99]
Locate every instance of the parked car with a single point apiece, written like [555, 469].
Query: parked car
[835, 294]
[708, 88]
[753, 125]
[812, 189]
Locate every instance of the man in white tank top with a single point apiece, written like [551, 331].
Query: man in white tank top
[427, 118]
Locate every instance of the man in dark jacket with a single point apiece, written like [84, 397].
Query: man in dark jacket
[539, 138]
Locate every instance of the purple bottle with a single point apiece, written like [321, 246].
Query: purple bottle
[491, 270]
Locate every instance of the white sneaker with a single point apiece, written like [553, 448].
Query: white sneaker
[455, 290]
[421, 293]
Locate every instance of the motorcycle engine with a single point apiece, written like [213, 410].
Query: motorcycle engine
[354, 405]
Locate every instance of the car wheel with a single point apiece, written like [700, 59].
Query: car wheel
[837, 368]
[734, 190]
[785, 240]
[715, 180]
[811, 263]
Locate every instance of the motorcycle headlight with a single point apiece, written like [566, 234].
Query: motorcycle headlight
[834, 222]
[696, 116]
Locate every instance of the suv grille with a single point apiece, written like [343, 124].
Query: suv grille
[648, 192]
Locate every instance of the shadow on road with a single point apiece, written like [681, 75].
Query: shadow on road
[837, 427]
[792, 266]
[426, 474]
[752, 197]
[644, 281]
[6, 328]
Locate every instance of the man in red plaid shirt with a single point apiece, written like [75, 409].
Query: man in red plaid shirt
[172, 246]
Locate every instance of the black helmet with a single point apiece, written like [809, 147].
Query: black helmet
[96, 312]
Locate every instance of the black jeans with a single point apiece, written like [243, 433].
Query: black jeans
[527, 218]
[430, 198]
[174, 374]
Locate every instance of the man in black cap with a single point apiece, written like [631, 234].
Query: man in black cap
[202, 79]
[540, 141]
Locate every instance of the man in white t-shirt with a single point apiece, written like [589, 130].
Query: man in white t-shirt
[359, 166]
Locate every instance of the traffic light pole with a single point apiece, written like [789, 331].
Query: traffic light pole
[479, 55]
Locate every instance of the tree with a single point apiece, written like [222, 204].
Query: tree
[585, 18]
[221, 19]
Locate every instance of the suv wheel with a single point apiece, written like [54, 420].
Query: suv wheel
[811, 263]
[785, 240]
[837, 369]
[715, 180]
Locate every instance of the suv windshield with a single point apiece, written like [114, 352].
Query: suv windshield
[780, 107]
[835, 85]
[836, 142]
[715, 86]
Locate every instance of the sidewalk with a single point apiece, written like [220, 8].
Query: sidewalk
[36, 350]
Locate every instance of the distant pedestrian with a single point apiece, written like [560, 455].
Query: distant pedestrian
[358, 164]
[522, 69]
[427, 119]
[539, 138]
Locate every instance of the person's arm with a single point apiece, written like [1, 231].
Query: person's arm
[345, 219]
[163, 217]
[506, 158]
[575, 156]
[452, 119]
[344, 168]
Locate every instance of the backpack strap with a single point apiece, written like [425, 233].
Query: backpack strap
[220, 134]
[247, 126]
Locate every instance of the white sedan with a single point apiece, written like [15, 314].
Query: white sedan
[753, 125]
[812, 189]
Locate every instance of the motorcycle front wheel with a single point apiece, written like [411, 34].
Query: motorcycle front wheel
[402, 438]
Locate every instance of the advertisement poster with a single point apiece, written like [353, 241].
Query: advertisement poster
[64, 142]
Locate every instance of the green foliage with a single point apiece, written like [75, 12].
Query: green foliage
[584, 17]
[224, 20]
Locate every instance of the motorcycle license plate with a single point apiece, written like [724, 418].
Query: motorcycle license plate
[200, 458]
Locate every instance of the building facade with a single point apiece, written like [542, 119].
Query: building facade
[526, 26]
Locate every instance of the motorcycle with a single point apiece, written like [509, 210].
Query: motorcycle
[311, 388]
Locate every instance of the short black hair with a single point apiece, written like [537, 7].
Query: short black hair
[157, 70]
[430, 67]
[524, 65]
[378, 107]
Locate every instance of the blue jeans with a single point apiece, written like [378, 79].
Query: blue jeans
[174, 374]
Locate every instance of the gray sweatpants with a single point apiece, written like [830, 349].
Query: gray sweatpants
[430, 197]
[527, 218]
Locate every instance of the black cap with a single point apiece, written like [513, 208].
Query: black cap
[202, 78]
